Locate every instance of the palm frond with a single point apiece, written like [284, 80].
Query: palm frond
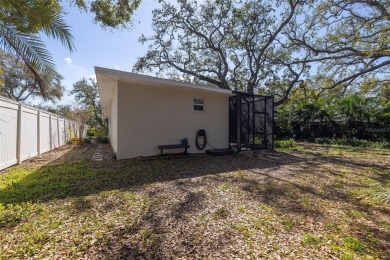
[21, 36]
[30, 48]
[58, 29]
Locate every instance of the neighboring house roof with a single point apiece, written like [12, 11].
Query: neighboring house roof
[107, 79]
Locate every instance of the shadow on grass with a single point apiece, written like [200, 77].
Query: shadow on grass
[344, 161]
[60, 179]
[256, 177]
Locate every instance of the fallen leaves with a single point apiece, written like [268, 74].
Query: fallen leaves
[255, 205]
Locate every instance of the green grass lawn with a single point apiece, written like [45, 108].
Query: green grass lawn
[315, 201]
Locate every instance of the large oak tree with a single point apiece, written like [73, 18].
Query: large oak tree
[228, 44]
[269, 47]
[348, 41]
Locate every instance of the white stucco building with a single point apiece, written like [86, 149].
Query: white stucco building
[144, 112]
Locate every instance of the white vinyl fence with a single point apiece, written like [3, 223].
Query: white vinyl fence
[27, 131]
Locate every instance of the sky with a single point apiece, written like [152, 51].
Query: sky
[95, 46]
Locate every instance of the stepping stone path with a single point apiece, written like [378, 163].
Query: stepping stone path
[98, 156]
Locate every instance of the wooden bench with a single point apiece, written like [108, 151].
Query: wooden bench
[173, 146]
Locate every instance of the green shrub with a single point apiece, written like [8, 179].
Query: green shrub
[91, 132]
[103, 140]
[102, 135]
[323, 140]
[353, 142]
[381, 145]
[288, 143]
[87, 140]
[74, 140]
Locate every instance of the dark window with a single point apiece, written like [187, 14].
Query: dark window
[198, 104]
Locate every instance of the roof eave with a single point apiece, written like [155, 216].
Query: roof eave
[125, 76]
[107, 80]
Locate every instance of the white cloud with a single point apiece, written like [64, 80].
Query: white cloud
[68, 60]
[73, 72]
[117, 67]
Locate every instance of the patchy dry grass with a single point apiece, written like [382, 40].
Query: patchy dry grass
[311, 202]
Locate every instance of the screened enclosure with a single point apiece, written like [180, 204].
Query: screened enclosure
[251, 119]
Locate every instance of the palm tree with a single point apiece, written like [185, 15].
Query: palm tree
[310, 118]
[20, 24]
[356, 111]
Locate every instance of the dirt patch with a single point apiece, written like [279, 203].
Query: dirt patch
[66, 153]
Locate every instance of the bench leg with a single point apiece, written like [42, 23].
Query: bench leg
[185, 150]
[161, 152]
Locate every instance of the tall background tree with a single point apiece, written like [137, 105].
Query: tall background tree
[87, 93]
[228, 44]
[18, 83]
[80, 116]
[270, 47]
[346, 42]
[315, 112]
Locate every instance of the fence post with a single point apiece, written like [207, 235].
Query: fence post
[238, 121]
[58, 131]
[65, 131]
[50, 133]
[39, 132]
[19, 135]
[67, 136]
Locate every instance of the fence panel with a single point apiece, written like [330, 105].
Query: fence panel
[29, 133]
[44, 132]
[54, 131]
[68, 129]
[8, 133]
[61, 132]
[85, 131]
[26, 131]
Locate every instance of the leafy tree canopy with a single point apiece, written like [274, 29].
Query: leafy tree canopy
[349, 41]
[110, 13]
[225, 43]
[21, 22]
[270, 47]
[18, 83]
[314, 111]
[87, 93]
[62, 110]
[24, 14]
